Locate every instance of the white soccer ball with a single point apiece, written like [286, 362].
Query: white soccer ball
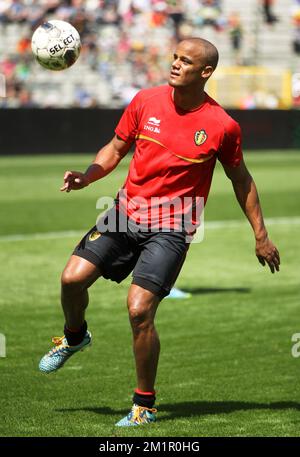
[56, 45]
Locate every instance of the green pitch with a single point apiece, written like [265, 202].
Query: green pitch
[226, 367]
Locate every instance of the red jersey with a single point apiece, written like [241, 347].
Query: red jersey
[175, 153]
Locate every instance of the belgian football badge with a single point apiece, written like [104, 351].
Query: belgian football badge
[94, 235]
[200, 137]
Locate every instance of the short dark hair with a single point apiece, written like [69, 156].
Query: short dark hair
[211, 54]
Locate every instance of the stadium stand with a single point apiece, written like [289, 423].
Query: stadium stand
[125, 43]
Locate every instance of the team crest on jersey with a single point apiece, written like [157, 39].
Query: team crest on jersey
[94, 235]
[200, 137]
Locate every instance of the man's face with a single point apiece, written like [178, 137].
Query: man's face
[188, 68]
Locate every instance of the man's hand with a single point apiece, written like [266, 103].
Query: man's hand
[105, 161]
[247, 196]
[266, 252]
[74, 180]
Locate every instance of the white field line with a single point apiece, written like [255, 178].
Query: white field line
[239, 223]
[42, 236]
[211, 225]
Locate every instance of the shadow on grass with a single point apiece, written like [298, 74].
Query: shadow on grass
[216, 290]
[202, 408]
[198, 408]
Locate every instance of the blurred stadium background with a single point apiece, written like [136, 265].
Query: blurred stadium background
[125, 44]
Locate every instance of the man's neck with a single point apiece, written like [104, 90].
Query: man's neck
[186, 100]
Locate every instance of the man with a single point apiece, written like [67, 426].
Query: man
[179, 133]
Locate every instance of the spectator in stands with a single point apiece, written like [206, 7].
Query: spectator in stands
[22, 70]
[159, 15]
[296, 89]
[16, 11]
[296, 40]
[24, 45]
[141, 6]
[83, 98]
[3, 7]
[8, 65]
[236, 36]
[295, 13]
[35, 13]
[269, 16]
[90, 50]
[25, 98]
[65, 11]
[13, 89]
[175, 11]
[209, 14]
[110, 13]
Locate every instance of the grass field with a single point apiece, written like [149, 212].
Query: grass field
[226, 367]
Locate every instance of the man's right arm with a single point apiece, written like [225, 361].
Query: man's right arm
[105, 161]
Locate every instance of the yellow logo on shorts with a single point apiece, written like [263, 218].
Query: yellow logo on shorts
[94, 235]
[200, 137]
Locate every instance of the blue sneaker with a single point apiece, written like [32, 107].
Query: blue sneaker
[177, 293]
[138, 415]
[58, 356]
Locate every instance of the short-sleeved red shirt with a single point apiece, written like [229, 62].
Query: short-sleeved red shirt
[175, 152]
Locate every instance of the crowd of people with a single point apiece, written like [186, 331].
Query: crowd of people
[113, 37]
[296, 26]
[115, 44]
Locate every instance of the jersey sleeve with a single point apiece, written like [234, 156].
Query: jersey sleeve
[127, 127]
[230, 152]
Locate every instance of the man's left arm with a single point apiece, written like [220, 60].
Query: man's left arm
[247, 196]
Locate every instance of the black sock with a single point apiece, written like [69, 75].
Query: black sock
[146, 399]
[74, 338]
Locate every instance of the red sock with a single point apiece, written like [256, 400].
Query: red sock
[75, 336]
[146, 399]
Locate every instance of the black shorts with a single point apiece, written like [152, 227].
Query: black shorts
[155, 258]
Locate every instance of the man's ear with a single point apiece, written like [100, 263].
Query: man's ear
[207, 72]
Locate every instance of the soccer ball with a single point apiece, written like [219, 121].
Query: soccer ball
[56, 45]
